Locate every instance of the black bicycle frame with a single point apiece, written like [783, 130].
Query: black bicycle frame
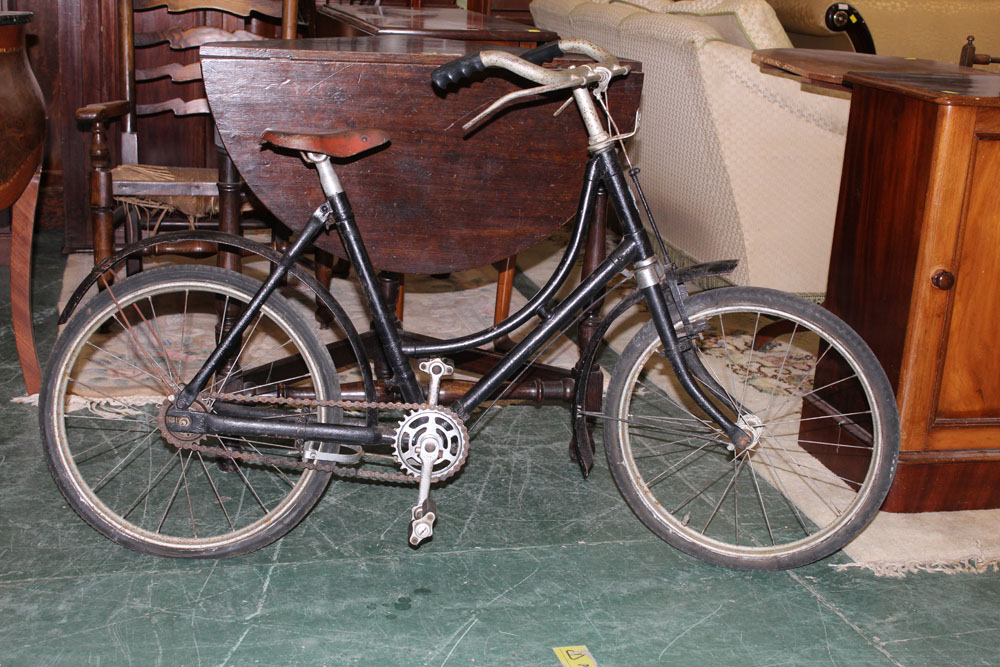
[635, 247]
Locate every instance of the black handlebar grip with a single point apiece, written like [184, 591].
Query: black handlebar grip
[456, 71]
[543, 54]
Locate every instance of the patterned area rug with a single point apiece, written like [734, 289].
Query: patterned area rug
[894, 545]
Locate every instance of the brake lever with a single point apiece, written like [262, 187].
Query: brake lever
[518, 94]
[565, 105]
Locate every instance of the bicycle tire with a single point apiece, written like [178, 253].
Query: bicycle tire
[672, 465]
[129, 333]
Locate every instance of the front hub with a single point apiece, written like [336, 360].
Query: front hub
[753, 426]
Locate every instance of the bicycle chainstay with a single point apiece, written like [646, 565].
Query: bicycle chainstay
[343, 471]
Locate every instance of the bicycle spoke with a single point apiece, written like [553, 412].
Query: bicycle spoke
[784, 360]
[109, 445]
[669, 472]
[125, 462]
[787, 495]
[149, 487]
[722, 498]
[215, 490]
[114, 369]
[173, 495]
[763, 506]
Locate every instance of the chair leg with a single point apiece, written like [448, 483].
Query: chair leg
[133, 264]
[505, 286]
[328, 267]
[401, 299]
[101, 199]
[279, 241]
[22, 232]
[341, 268]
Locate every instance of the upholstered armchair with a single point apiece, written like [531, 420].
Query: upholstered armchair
[736, 163]
[935, 29]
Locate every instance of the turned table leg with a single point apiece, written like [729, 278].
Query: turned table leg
[22, 232]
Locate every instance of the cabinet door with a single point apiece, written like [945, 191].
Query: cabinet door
[969, 390]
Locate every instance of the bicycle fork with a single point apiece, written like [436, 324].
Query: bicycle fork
[649, 277]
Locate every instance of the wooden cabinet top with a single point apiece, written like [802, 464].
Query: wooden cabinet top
[980, 89]
[928, 79]
[397, 49]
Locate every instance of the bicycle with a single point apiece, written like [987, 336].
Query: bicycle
[194, 457]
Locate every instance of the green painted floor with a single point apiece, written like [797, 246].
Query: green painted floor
[527, 556]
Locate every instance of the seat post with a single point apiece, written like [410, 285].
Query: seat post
[328, 179]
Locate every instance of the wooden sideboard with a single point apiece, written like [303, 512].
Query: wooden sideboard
[914, 270]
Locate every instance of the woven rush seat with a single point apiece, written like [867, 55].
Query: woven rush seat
[192, 191]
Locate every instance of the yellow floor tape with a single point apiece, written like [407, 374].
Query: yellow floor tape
[575, 656]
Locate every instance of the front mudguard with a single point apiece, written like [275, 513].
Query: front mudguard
[583, 441]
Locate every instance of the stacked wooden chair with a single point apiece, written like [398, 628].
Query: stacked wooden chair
[154, 186]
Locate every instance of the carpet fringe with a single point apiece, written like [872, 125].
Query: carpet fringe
[978, 564]
[106, 408]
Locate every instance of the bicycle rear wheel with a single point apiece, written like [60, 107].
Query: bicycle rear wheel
[814, 399]
[114, 367]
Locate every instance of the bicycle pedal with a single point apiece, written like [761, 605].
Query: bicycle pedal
[422, 522]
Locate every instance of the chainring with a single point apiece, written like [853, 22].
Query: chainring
[186, 441]
[450, 436]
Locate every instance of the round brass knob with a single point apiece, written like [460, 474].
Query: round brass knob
[943, 280]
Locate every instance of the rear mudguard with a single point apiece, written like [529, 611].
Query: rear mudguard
[323, 295]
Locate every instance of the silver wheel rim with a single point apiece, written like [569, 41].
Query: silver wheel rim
[110, 516]
[688, 530]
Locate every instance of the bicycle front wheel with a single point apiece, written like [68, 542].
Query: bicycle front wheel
[803, 385]
[115, 366]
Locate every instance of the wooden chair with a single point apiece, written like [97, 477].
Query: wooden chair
[163, 194]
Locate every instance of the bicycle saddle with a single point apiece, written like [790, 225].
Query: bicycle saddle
[340, 144]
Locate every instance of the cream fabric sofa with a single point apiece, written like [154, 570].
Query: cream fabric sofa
[736, 163]
[934, 29]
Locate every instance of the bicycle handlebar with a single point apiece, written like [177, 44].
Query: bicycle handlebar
[528, 65]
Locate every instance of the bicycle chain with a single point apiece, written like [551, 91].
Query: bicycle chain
[342, 471]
